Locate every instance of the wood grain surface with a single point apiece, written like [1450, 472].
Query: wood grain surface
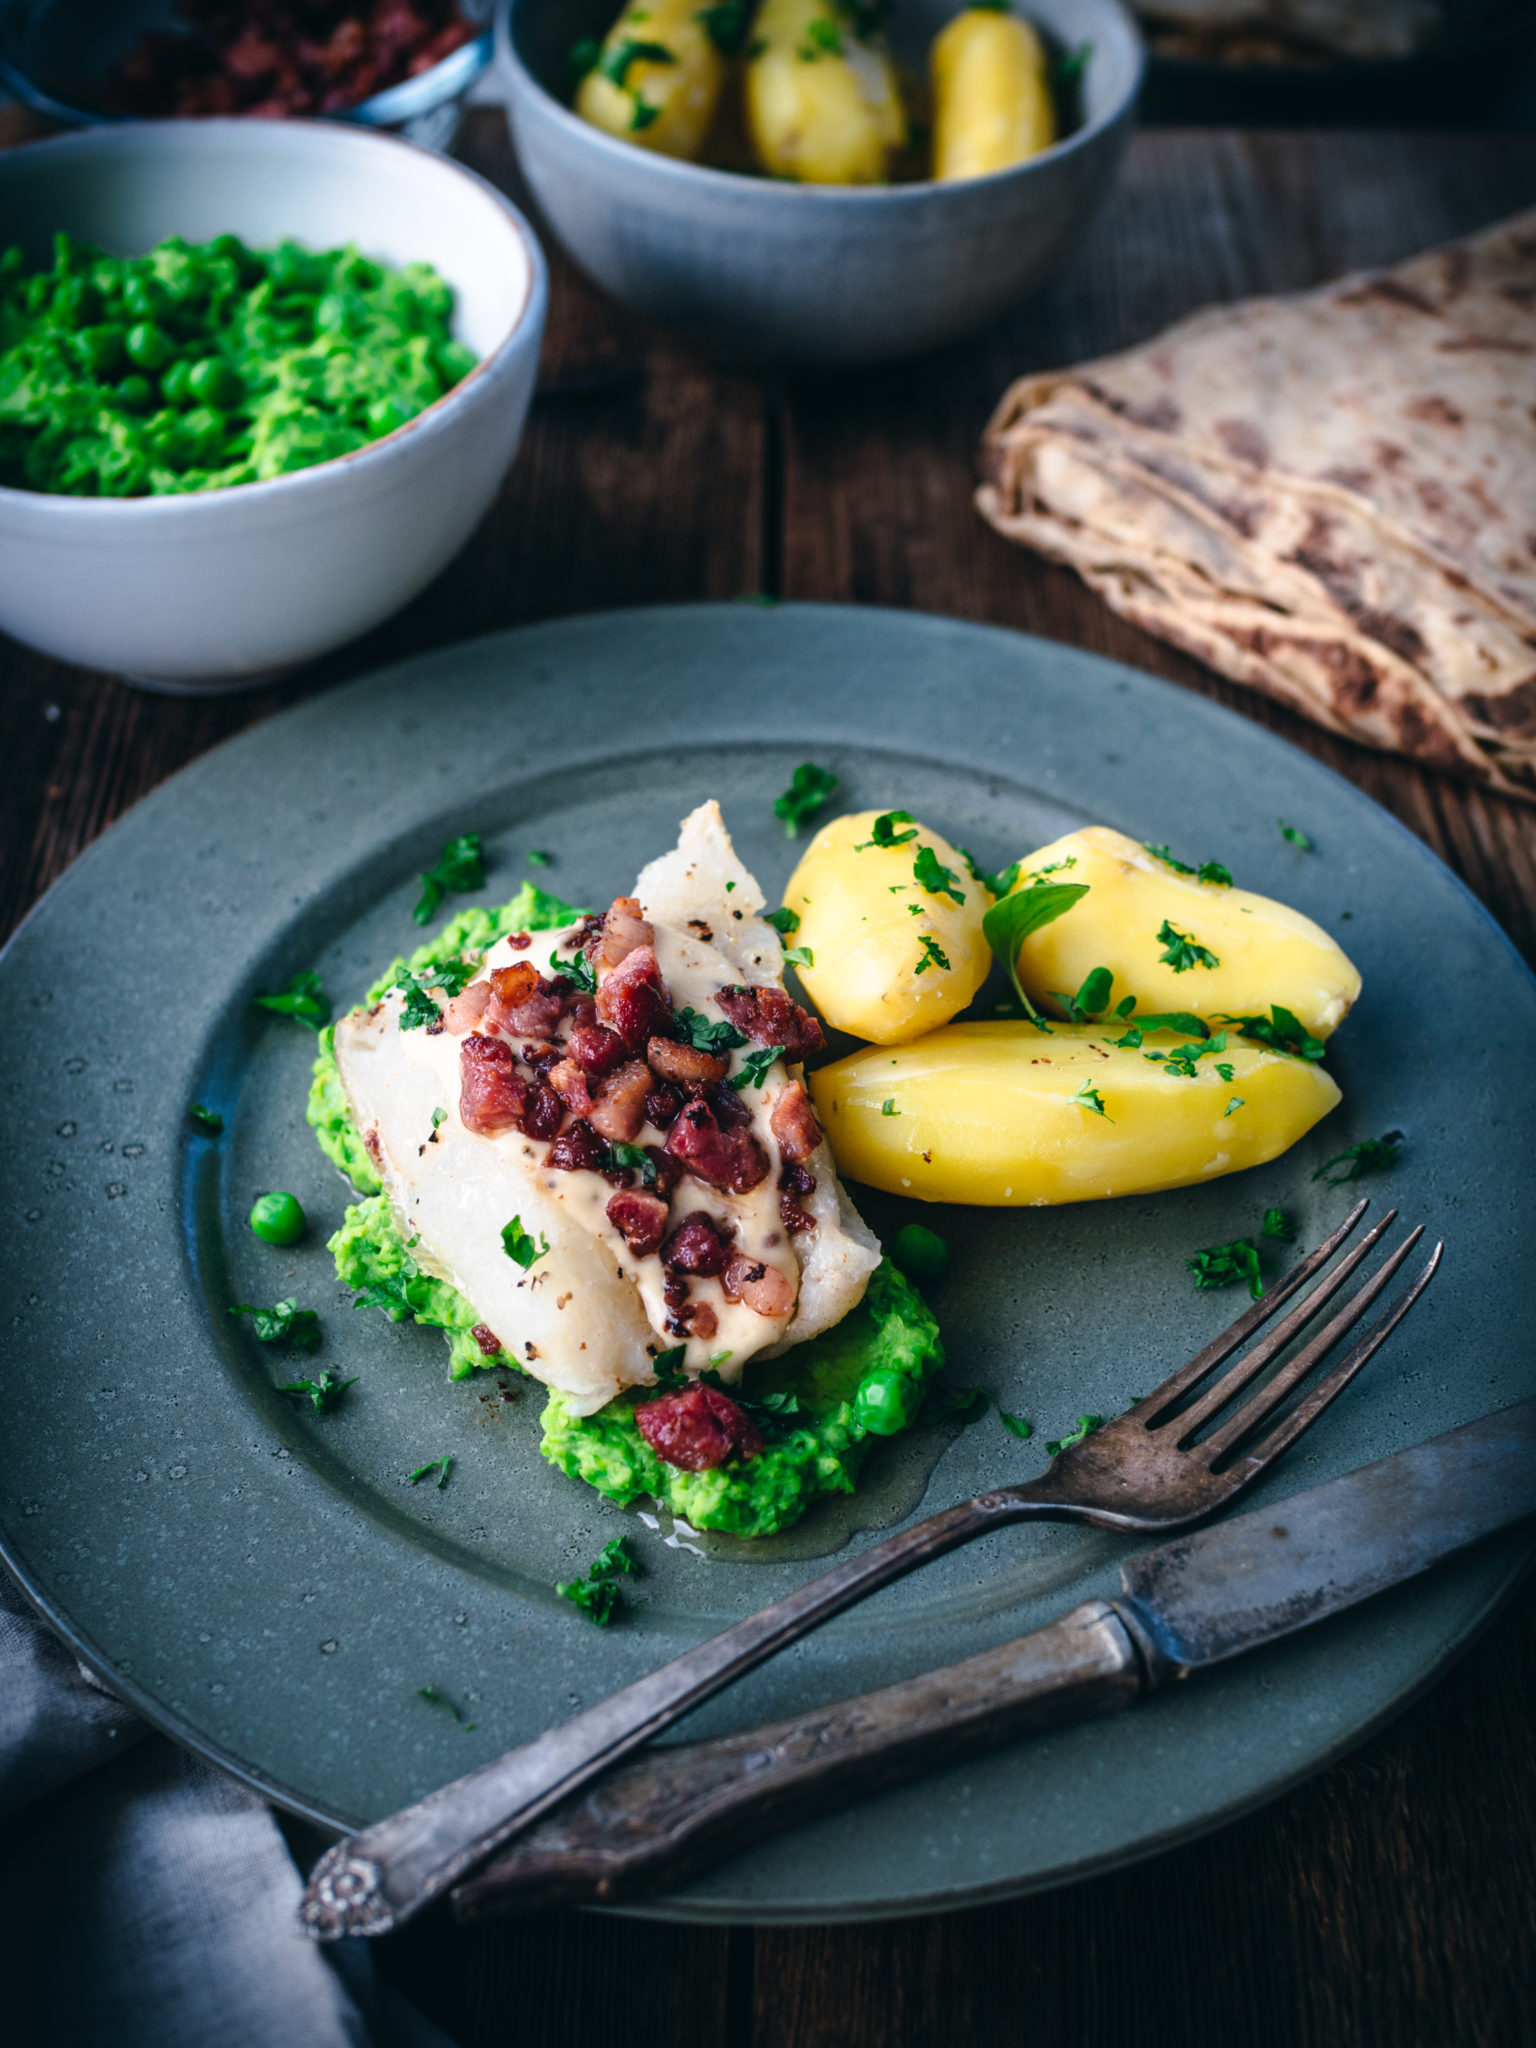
[1391, 1900]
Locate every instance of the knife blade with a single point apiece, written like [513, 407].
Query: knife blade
[1183, 1607]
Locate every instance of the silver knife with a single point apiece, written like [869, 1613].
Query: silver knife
[1182, 1608]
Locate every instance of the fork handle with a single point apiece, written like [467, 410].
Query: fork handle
[376, 1880]
[674, 1811]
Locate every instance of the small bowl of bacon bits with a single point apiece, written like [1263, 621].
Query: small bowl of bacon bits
[404, 65]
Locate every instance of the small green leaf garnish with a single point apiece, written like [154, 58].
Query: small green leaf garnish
[1009, 923]
[208, 1121]
[1071, 66]
[726, 24]
[1090, 1098]
[597, 1595]
[459, 867]
[577, 970]
[809, 788]
[441, 1466]
[799, 956]
[323, 1393]
[823, 38]
[1235, 1103]
[583, 55]
[1294, 836]
[1015, 1424]
[1371, 1155]
[1182, 951]
[995, 885]
[933, 955]
[888, 1107]
[930, 873]
[1278, 1225]
[434, 1698]
[286, 1321]
[616, 63]
[1180, 1059]
[642, 114]
[755, 1065]
[635, 1159]
[537, 858]
[522, 1249]
[884, 834]
[704, 1034]
[1220, 1264]
[1084, 1426]
[1208, 870]
[439, 1118]
[786, 922]
[419, 1006]
[303, 998]
[1092, 999]
[1282, 1030]
[668, 1368]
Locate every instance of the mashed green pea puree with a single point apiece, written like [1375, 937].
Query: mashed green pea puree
[202, 365]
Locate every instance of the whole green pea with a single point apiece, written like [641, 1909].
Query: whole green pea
[148, 345]
[385, 414]
[887, 1401]
[214, 382]
[135, 392]
[101, 346]
[143, 297]
[176, 384]
[920, 1253]
[278, 1219]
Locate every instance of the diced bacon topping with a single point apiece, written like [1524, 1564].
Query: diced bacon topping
[732, 1110]
[619, 1104]
[577, 1148]
[487, 1339]
[730, 1159]
[795, 1183]
[524, 1004]
[768, 1017]
[698, 1429]
[762, 1287]
[696, 1246]
[623, 930]
[699, 1319]
[633, 998]
[513, 985]
[793, 1123]
[544, 1115]
[570, 1084]
[673, 1062]
[493, 1096]
[596, 1048]
[640, 1218]
[467, 1008]
[661, 1107]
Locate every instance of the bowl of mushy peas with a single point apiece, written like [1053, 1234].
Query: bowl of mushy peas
[258, 384]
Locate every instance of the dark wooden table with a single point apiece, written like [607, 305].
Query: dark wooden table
[1392, 1899]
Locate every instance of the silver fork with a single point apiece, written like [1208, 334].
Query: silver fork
[1150, 1469]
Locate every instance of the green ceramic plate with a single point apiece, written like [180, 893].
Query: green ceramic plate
[265, 1585]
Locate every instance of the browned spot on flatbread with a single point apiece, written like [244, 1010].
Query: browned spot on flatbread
[1523, 295]
[1455, 269]
[1460, 344]
[1244, 442]
[1435, 412]
[1392, 291]
[1423, 739]
[1390, 456]
[1510, 712]
[1355, 682]
[1162, 416]
[1398, 634]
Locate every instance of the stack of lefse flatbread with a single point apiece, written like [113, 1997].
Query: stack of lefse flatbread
[1330, 497]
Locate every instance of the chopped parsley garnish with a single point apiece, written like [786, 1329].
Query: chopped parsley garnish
[705, 1035]
[809, 788]
[1084, 1427]
[323, 1393]
[624, 1158]
[1015, 1424]
[1090, 1098]
[930, 873]
[1054, 867]
[286, 1321]
[1220, 1264]
[726, 24]
[615, 65]
[1181, 1059]
[995, 885]
[823, 38]
[1009, 923]
[418, 1007]
[441, 1466]
[303, 998]
[1282, 1030]
[920, 1253]
[786, 922]
[1072, 64]
[888, 1107]
[1294, 836]
[933, 955]
[668, 1368]
[208, 1121]
[799, 956]
[1208, 870]
[884, 834]
[583, 55]
[1371, 1155]
[434, 1698]
[755, 1065]
[597, 1595]
[439, 1117]
[1182, 951]
[642, 114]
[1235, 1103]
[459, 867]
[522, 1249]
[1092, 999]
[537, 858]
[1278, 1225]
[577, 970]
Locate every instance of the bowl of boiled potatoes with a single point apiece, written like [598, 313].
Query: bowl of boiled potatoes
[819, 182]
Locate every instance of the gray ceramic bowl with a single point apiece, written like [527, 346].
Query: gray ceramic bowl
[838, 275]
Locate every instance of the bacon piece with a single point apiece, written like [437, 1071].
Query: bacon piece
[623, 930]
[524, 1004]
[671, 1061]
[618, 1110]
[768, 1017]
[513, 985]
[795, 1183]
[661, 1107]
[700, 1320]
[487, 1339]
[762, 1287]
[732, 1110]
[633, 998]
[696, 1246]
[668, 1172]
[698, 1429]
[793, 1123]
[570, 1084]
[493, 1096]
[640, 1217]
[596, 1048]
[730, 1159]
[578, 1147]
[467, 1008]
[544, 1115]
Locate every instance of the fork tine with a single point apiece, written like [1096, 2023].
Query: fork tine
[1221, 1348]
[1338, 1377]
[1269, 1398]
[1248, 1368]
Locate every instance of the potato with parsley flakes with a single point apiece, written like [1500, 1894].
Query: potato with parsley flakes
[1001, 1114]
[1177, 937]
[822, 99]
[888, 926]
[657, 79]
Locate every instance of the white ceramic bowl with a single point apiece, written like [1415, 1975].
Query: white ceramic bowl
[218, 588]
[838, 275]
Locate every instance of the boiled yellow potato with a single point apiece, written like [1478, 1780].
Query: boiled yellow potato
[658, 79]
[823, 105]
[894, 932]
[1177, 943]
[1002, 1115]
[992, 104]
